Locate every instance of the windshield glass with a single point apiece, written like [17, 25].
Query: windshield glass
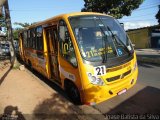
[99, 37]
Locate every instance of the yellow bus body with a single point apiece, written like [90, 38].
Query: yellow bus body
[126, 73]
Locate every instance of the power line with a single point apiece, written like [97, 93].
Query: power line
[37, 10]
[157, 3]
[42, 9]
[132, 17]
[146, 8]
[136, 20]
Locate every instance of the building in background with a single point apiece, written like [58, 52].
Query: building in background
[147, 37]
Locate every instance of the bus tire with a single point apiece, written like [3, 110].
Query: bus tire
[73, 92]
[30, 64]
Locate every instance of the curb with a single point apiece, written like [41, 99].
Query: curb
[149, 60]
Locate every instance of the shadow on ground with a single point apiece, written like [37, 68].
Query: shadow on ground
[4, 76]
[3, 65]
[146, 101]
[49, 83]
[46, 81]
[12, 113]
[56, 107]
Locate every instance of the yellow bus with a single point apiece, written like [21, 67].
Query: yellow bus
[88, 54]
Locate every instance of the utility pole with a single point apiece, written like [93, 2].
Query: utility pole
[10, 34]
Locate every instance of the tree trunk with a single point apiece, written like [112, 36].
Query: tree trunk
[10, 34]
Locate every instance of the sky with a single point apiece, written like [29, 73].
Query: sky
[37, 10]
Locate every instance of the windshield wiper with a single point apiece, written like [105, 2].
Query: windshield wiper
[118, 40]
[105, 56]
[105, 39]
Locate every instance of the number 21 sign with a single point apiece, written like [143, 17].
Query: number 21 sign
[100, 70]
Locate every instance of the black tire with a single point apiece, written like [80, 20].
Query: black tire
[73, 93]
[30, 65]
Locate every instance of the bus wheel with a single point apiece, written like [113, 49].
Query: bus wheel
[30, 64]
[73, 93]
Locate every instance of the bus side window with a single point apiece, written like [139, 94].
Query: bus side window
[25, 39]
[66, 45]
[33, 38]
[39, 34]
[28, 38]
[39, 42]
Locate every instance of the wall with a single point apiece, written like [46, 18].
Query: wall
[140, 38]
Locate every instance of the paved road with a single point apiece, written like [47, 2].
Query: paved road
[143, 98]
[149, 74]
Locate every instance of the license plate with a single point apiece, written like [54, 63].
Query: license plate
[121, 92]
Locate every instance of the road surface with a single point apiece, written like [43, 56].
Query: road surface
[149, 74]
[143, 98]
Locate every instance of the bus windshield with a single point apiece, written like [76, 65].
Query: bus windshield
[100, 37]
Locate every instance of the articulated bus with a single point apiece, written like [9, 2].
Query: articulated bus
[87, 54]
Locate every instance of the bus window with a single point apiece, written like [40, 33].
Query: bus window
[25, 38]
[33, 38]
[28, 37]
[66, 46]
[100, 38]
[39, 39]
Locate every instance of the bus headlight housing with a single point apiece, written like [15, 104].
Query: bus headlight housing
[95, 80]
[135, 66]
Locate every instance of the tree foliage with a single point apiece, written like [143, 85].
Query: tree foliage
[15, 33]
[2, 21]
[158, 15]
[1, 6]
[22, 24]
[17, 29]
[115, 8]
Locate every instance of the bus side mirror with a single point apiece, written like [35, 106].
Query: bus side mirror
[122, 24]
[133, 45]
[62, 33]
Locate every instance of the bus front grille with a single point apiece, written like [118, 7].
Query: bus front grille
[126, 73]
[113, 78]
[118, 76]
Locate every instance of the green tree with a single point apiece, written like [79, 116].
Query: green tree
[115, 8]
[158, 15]
[15, 33]
[2, 18]
[17, 29]
[2, 21]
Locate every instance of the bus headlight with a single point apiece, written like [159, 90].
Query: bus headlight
[95, 80]
[135, 66]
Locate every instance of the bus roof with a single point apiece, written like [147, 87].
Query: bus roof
[63, 16]
[84, 13]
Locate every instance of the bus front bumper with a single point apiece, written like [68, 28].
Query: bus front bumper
[94, 94]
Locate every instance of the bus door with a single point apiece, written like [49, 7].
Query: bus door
[52, 43]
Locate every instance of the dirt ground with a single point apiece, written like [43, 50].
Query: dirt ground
[23, 97]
